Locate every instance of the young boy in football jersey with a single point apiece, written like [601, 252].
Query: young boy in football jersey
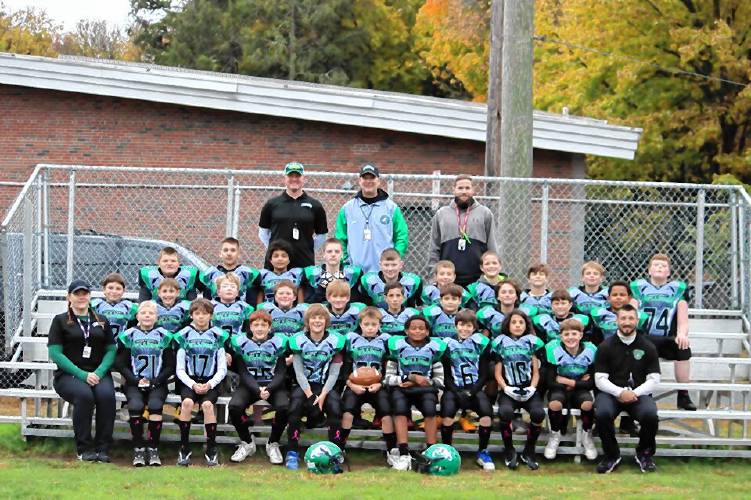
[286, 317]
[570, 383]
[395, 314]
[201, 367]
[172, 314]
[230, 313]
[491, 318]
[229, 255]
[316, 279]
[168, 266]
[467, 363]
[373, 284]
[666, 304]
[369, 348]
[146, 361]
[441, 318]
[415, 374]
[317, 360]
[591, 293]
[344, 314]
[604, 318]
[444, 274]
[548, 325]
[120, 313]
[537, 295]
[483, 291]
[517, 372]
[278, 255]
[260, 362]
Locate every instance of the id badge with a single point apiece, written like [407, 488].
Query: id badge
[295, 233]
[462, 244]
[86, 354]
[367, 235]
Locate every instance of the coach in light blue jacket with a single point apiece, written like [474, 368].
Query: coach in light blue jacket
[370, 223]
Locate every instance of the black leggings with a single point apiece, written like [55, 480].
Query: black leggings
[84, 399]
[245, 396]
[154, 399]
[300, 405]
[451, 402]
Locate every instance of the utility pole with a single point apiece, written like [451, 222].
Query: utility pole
[495, 86]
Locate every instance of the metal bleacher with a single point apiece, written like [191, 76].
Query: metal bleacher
[720, 387]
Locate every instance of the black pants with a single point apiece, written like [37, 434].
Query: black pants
[245, 396]
[151, 398]
[644, 410]
[380, 401]
[451, 402]
[424, 399]
[300, 405]
[507, 406]
[84, 399]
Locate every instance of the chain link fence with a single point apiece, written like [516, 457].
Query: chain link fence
[84, 222]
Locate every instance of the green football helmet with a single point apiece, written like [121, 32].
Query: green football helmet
[324, 457]
[438, 460]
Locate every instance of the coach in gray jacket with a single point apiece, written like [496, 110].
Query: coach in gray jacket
[462, 231]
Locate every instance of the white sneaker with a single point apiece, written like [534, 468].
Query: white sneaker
[391, 456]
[275, 455]
[590, 451]
[244, 450]
[403, 462]
[551, 449]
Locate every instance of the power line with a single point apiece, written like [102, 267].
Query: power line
[675, 71]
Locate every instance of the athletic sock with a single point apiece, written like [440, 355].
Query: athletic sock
[210, 436]
[136, 430]
[484, 435]
[507, 435]
[587, 417]
[403, 449]
[278, 425]
[532, 434]
[344, 435]
[242, 424]
[155, 433]
[447, 434]
[555, 417]
[293, 437]
[336, 435]
[184, 434]
[390, 439]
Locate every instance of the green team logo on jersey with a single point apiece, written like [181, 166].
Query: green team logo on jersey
[638, 354]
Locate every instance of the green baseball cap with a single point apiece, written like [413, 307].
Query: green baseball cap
[294, 167]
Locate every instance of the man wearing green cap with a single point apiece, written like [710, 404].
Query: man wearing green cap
[294, 217]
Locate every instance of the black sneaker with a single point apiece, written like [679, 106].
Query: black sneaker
[361, 423]
[87, 456]
[510, 459]
[646, 463]
[183, 458]
[139, 457]
[103, 457]
[154, 459]
[685, 403]
[212, 457]
[530, 459]
[608, 465]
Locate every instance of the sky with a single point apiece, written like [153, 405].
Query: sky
[69, 12]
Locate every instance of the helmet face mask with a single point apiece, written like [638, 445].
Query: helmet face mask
[324, 458]
[438, 460]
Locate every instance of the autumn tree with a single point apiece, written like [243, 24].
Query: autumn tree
[96, 38]
[28, 31]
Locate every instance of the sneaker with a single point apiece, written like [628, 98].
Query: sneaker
[608, 465]
[685, 403]
[292, 461]
[212, 457]
[391, 456]
[87, 456]
[484, 460]
[590, 451]
[139, 457]
[510, 459]
[103, 457]
[402, 462]
[467, 425]
[244, 450]
[529, 458]
[154, 459]
[646, 463]
[361, 423]
[274, 453]
[183, 458]
[554, 441]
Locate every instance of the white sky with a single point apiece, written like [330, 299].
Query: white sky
[69, 12]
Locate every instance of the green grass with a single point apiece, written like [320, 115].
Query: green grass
[45, 468]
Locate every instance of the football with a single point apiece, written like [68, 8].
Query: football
[365, 376]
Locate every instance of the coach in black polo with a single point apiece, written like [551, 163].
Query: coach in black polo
[627, 370]
[294, 217]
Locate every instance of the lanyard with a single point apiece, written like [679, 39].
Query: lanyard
[370, 212]
[85, 329]
[463, 227]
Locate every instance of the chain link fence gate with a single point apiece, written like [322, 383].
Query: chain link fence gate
[84, 222]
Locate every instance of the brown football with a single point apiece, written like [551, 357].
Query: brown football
[365, 376]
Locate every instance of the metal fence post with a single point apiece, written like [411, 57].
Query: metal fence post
[699, 262]
[230, 205]
[46, 227]
[734, 249]
[71, 225]
[236, 215]
[744, 271]
[28, 265]
[37, 226]
[544, 222]
[4, 244]
[435, 200]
